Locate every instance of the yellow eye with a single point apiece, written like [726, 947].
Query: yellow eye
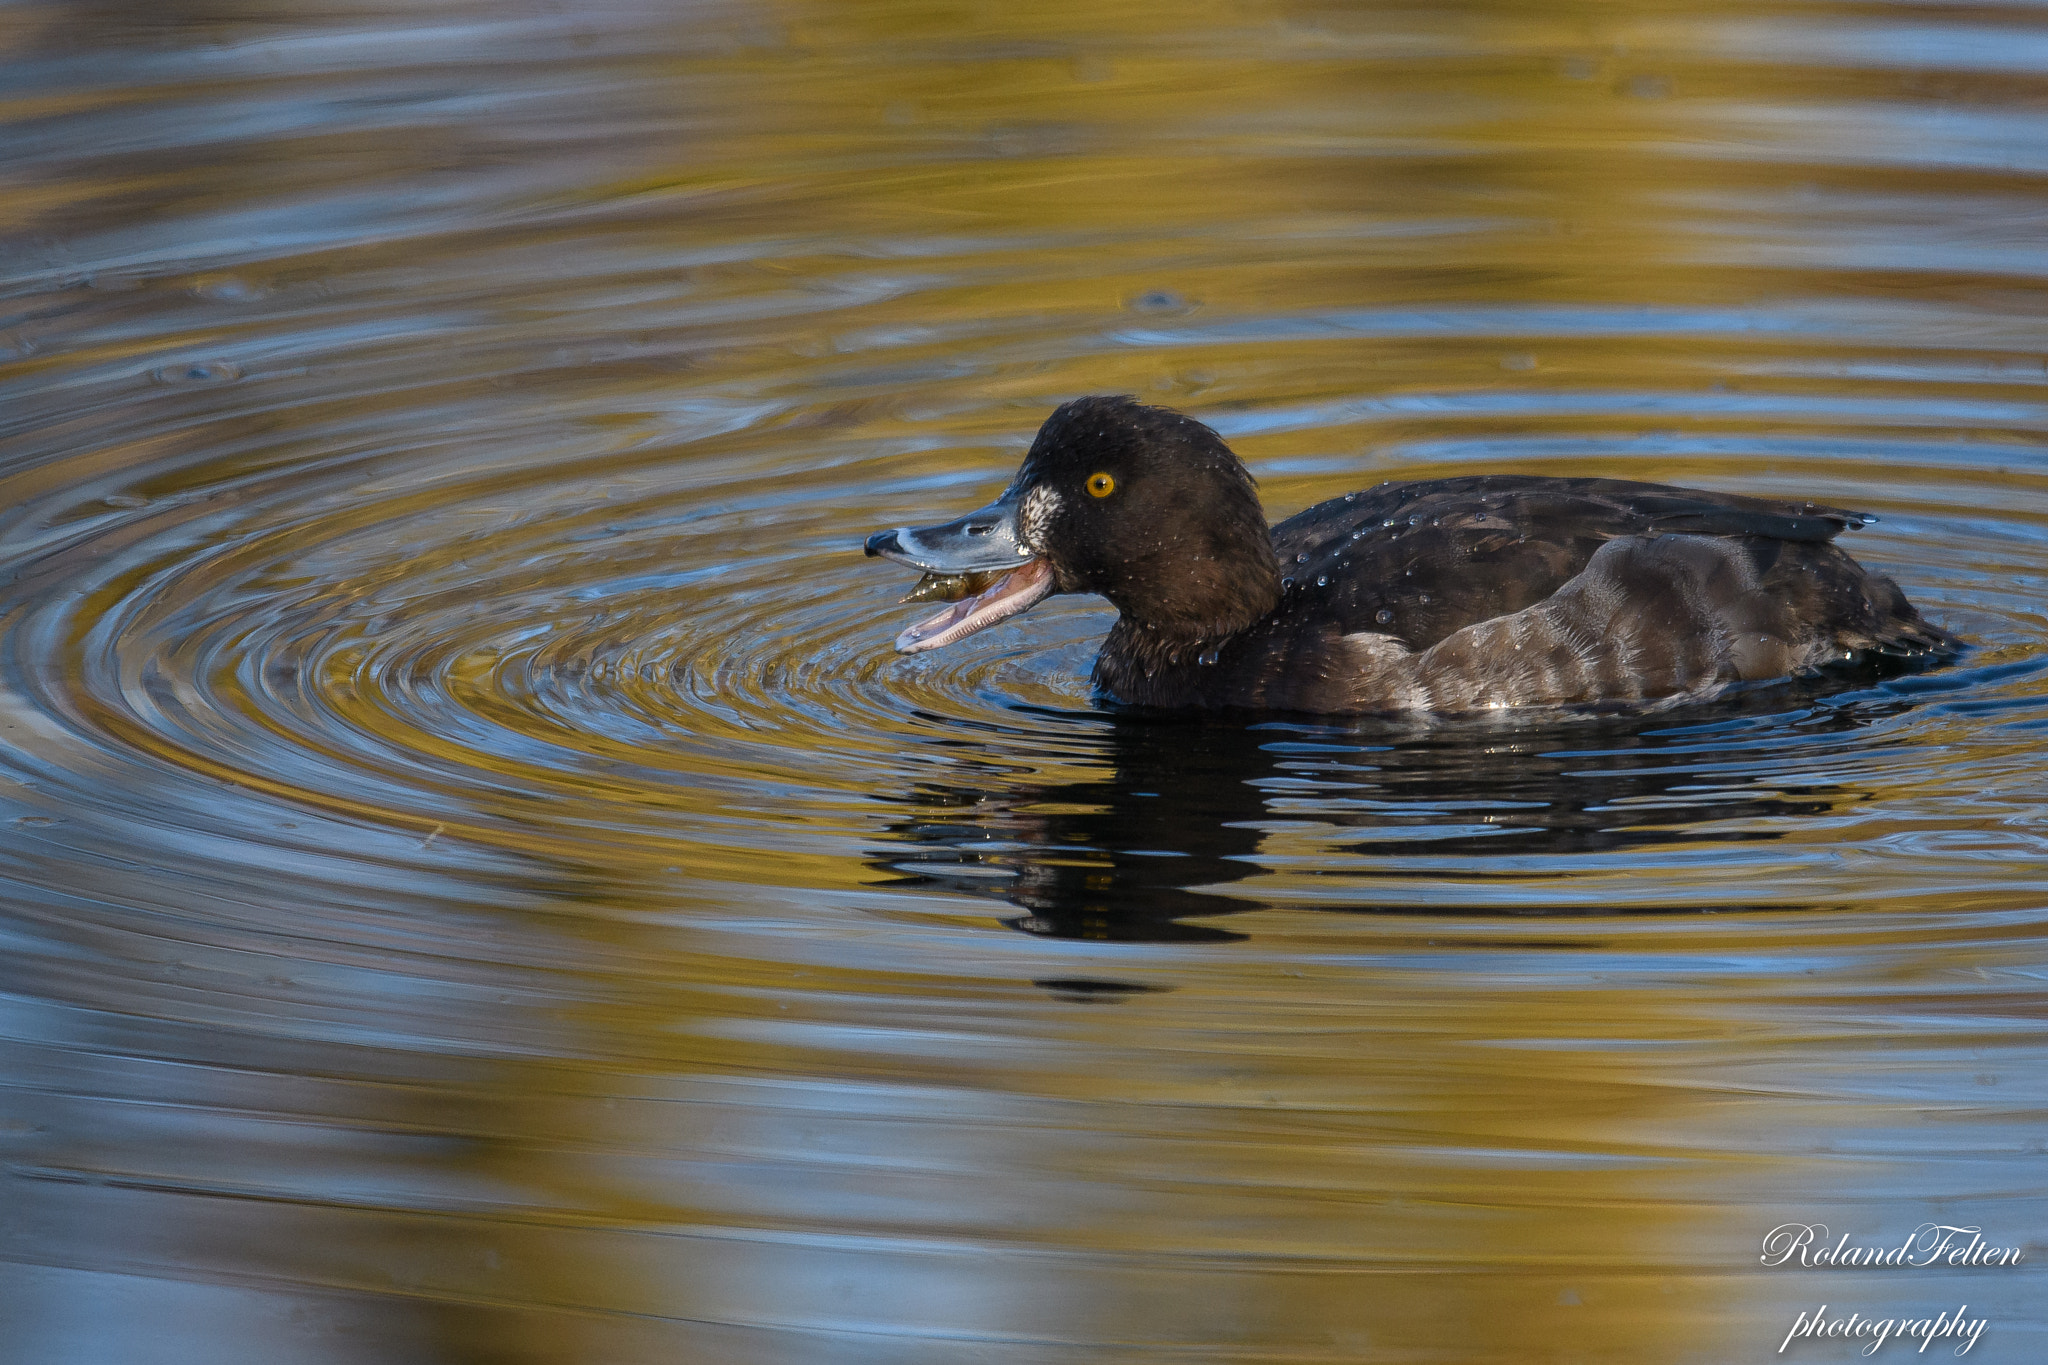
[1100, 485]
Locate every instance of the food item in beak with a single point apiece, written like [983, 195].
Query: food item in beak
[952, 587]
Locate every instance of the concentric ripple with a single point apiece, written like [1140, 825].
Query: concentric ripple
[599, 652]
[615, 660]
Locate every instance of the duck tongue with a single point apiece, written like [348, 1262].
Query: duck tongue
[1018, 590]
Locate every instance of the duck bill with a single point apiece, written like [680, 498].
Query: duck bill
[985, 541]
[1015, 592]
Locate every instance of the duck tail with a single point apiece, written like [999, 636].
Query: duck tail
[1895, 629]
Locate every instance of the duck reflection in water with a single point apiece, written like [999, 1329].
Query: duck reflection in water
[1186, 807]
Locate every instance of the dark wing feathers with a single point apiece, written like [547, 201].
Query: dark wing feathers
[1420, 560]
[1748, 517]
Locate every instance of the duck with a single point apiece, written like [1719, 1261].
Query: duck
[1475, 594]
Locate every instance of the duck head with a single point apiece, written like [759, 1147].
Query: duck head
[1139, 504]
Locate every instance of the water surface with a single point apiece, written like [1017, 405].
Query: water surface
[480, 887]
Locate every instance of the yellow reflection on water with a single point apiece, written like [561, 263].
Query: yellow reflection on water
[481, 888]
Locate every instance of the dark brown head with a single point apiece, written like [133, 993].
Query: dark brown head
[1140, 504]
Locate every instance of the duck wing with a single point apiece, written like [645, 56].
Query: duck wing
[1420, 561]
[1654, 617]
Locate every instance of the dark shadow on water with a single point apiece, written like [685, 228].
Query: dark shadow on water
[1184, 807]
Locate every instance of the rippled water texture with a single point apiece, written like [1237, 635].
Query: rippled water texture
[479, 887]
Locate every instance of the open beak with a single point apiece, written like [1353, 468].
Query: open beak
[981, 542]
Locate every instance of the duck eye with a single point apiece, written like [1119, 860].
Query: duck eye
[1100, 485]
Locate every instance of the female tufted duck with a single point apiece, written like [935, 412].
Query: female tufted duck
[1448, 595]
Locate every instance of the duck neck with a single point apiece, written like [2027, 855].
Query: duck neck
[1168, 665]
